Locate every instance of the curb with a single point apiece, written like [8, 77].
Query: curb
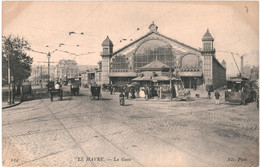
[12, 105]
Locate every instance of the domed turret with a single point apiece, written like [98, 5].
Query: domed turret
[107, 42]
[107, 45]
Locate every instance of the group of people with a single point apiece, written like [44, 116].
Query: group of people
[16, 89]
[217, 95]
[129, 92]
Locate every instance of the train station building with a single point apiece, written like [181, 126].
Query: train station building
[150, 58]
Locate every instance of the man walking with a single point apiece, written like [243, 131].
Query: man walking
[209, 94]
[217, 95]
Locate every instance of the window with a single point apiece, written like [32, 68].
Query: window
[152, 50]
[105, 50]
[119, 62]
[190, 60]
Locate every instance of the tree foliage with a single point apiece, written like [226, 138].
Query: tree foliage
[20, 62]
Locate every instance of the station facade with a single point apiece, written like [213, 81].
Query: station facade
[157, 53]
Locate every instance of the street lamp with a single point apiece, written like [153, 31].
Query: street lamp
[49, 56]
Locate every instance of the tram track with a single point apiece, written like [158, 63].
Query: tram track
[106, 139]
[67, 130]
[164, 131]
[98, 106]
[40, 117]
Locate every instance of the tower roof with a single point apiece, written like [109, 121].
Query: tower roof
[107, 42]
[207, 36]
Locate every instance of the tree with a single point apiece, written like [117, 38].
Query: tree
[20, 62]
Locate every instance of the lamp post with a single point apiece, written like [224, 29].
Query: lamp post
[49, 56]
[9, 79]
[170, 82]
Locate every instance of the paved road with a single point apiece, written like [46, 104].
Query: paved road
[78, 131]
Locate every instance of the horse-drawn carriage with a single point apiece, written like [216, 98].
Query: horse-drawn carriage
[55, 90]
[74, 88]
[96, 92]
[26, 91]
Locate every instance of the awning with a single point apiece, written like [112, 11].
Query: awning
[190, 73]
[122, 74]
[165, 78]
[238, 79]
[144, 78]
[154, 79]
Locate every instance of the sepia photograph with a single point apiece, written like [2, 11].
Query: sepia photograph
[130, 84]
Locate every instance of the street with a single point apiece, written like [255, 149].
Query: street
[79, 131]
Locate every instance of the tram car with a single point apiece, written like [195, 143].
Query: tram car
[26, 91]
[239, 90]
[55, 90]
[74, 88]
[96, 92]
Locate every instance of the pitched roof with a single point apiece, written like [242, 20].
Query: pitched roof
[149, 33]
[156, 64]
[207, 36]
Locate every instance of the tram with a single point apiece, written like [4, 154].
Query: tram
[239, 90]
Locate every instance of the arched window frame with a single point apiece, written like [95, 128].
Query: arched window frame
[137, 59]
[119, 62]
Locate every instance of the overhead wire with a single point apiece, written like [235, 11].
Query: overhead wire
[81, 23]
[138, 29]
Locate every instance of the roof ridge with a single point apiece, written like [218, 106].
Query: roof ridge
[161, 65]
[149, 33]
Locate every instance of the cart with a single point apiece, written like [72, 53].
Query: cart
[74, 89]
[56, 90]
[95, 92]
[26, 91]
[184, 95]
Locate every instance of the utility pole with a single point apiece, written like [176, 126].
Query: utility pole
[9, 79]
[242, 65]
[49, 56]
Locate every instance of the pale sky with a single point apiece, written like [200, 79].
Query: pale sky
[234, 26]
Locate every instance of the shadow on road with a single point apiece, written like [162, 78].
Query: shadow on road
[128, 104]
[103, 99]
[66, 98]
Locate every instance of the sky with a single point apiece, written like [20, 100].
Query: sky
[234, 26]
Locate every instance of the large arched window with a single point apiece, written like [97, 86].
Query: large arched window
[190, 60]
[119, 62]
[152, 50]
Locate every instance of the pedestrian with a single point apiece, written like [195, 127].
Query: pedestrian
[121, 98]
[138, 91]
[217, 95]
[127, 92]
[209, 94]
[18, 91]
[133, 93]
[146, 93]
[158, 92]
[111, 89]
[243, 96]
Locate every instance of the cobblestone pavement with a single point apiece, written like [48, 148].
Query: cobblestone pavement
[78, 131]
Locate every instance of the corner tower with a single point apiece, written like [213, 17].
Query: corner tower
[106, 55]
[208, 52]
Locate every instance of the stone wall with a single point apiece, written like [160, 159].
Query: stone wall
[219, 74]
